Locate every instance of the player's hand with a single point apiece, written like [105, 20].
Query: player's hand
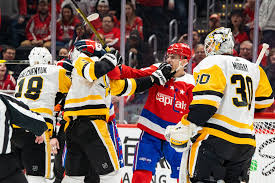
[162, 74]
[54, 145]
[39, 139]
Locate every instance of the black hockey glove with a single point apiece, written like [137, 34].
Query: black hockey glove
[162, 74]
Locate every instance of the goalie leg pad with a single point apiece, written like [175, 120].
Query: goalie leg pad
[142, 176]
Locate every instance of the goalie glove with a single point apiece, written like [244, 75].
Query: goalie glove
[162, 74]
[179, 135]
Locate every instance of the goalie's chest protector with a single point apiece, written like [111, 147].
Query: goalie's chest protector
[166, 105]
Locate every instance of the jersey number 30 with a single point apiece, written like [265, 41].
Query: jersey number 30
[34, 87]
[245, 91]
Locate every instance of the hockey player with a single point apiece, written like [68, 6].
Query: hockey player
[87, 106]
[166, 104]
[228, 90]
[14, 112]
[37, 86]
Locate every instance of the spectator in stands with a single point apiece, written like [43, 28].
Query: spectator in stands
[7, 82]
[213, 23]
[38, 27]
[249, 9]
[110, 33]
[270, 70]
[79, 33]
[199, 55]
[14, 11]
[65, 26]
[237, 27]
[196, 40]
[62, 54]
[133, 22]
[246, 50]
[142, 53]
[260, 44]
[103, 8]
[267, 21]
[8, 53]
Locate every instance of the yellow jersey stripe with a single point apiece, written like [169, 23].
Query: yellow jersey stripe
[79, 64]
[102, 128]
[64, 81]
[227, 137]
[261, 106]
[43, 110]
[133, 86]
[206, 102]
[117, 86]
[232, 122]
[78, 100]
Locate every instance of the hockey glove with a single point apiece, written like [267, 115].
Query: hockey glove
[162, 74]
[66, 64]
[179, 135]
[118, 56]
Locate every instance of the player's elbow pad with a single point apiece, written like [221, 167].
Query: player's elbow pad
[103, 67]
[143, 84]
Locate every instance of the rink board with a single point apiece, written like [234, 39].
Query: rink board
[263, 162]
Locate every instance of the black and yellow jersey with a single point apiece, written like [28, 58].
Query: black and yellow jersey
[90, 95]
[38, 85]
[228, 90]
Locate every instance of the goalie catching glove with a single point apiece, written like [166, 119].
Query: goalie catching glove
[179, 135]
[162, 74]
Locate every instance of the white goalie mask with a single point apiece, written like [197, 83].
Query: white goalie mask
[219, 41]
[40, 55]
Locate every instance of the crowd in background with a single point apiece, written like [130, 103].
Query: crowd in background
[25, 24]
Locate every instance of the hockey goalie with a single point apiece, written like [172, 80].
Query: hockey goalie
[219, 125]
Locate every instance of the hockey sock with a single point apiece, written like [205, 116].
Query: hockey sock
[142, 176]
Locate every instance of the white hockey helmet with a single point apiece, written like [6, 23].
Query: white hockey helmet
[40, 55]
[219, 41]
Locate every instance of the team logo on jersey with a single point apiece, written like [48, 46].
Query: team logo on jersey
[168, 100]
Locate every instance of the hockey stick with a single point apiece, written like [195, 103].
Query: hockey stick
[261, 55]
[91, 26]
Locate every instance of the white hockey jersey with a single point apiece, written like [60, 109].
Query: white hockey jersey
[235, 87]
[38, 85]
